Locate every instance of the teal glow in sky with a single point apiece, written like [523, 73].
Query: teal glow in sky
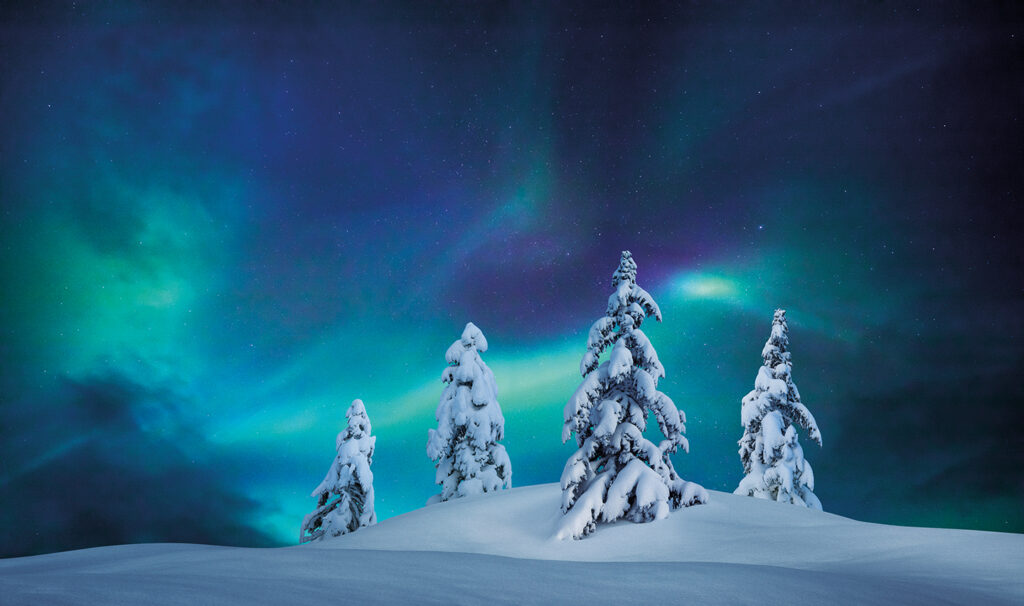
[220, 226]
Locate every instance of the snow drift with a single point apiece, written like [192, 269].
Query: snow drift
[499, 548]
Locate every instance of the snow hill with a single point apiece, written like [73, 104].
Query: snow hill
[499, 548]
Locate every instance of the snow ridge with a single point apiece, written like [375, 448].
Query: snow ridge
[499, 549]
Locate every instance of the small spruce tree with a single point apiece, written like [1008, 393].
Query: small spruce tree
[464, 447]
[345, 497]
[773, 460]
[617, 473]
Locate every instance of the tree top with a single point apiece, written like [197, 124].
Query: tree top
[356, 409]
[472, 337]
[626, 272]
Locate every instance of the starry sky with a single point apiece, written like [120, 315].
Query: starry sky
[222, 224]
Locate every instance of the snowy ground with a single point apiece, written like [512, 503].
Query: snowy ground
[499, 549]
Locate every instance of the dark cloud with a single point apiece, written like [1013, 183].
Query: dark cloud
[121, 469]
[938, 452]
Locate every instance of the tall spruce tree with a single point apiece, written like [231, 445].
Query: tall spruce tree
[617, 473]
[773, 460]
[464, 447]
[345, 497]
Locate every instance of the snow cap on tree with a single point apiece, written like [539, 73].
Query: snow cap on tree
[345, 496]
[464, 447]
[617, 473]
[626, 271]
[770, 451]
[471, 338]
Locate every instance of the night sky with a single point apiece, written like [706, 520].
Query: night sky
[219, 226]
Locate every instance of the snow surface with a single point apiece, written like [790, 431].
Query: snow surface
[698, 555]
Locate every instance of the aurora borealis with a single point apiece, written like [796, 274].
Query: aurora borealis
[223, 224]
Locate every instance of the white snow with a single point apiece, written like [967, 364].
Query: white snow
[700, 555]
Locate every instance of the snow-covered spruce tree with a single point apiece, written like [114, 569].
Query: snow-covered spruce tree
[346, 495]
[617, 473]
[772, 457]
[464, 447]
